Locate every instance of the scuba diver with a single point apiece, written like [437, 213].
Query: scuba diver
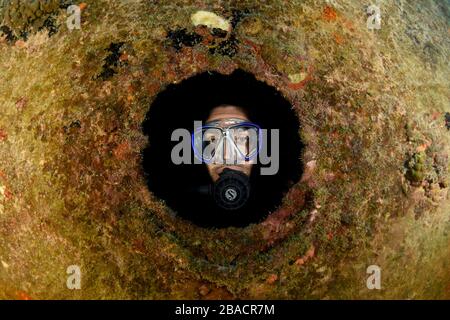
[228, 144]
[222, 169]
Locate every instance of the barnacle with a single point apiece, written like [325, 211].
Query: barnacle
[210, 19]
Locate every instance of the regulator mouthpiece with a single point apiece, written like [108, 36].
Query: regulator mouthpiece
[232, 190]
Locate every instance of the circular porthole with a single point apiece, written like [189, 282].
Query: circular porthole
[191, 188]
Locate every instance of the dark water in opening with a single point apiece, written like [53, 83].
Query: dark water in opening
[178, 106]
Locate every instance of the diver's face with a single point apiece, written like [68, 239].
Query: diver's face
[223, 113]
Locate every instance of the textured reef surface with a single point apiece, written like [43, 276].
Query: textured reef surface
[373, 107]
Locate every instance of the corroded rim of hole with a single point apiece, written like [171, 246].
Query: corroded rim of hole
[290, 216]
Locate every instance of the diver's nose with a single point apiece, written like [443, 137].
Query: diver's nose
[229, 155]
[226, 153]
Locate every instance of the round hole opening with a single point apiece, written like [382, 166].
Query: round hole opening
[186, 188]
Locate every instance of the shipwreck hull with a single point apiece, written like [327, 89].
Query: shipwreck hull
[371, 104]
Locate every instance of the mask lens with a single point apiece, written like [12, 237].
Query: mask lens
[206, 142]
[245, 138]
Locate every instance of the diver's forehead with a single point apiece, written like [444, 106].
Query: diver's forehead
[227, 112]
